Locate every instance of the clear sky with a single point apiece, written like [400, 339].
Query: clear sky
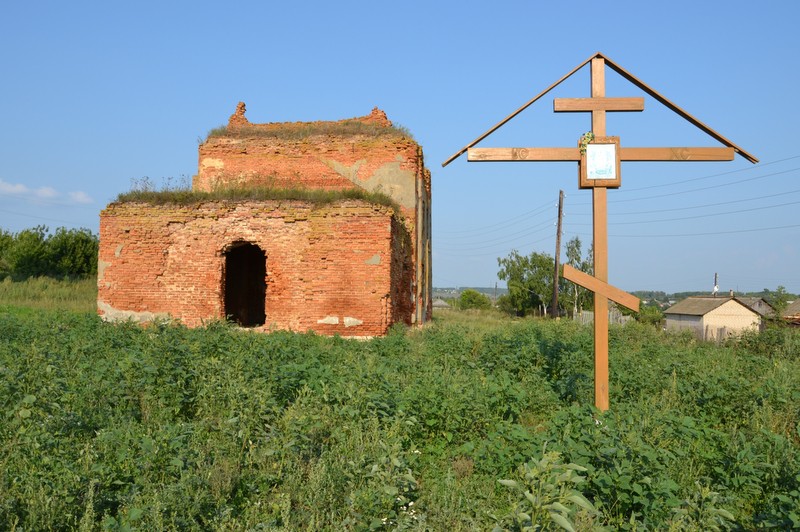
[94, 95]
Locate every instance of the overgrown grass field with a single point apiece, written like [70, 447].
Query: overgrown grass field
[471, 423]
[44, 293]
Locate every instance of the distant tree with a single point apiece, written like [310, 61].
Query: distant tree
[69, 253]
[529, 280]
[73, 253]
[472, 299]
[575, 295]
[28, 256]
[650, 314]
[505, 305]
[6, 241]
[779, 299]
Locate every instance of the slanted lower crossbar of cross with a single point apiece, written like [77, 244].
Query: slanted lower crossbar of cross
[600, 287]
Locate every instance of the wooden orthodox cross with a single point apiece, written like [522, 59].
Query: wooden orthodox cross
[598, 158]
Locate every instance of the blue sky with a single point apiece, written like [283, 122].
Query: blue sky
[94, 95]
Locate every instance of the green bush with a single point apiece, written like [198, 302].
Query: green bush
[67, 254]
[472, 299]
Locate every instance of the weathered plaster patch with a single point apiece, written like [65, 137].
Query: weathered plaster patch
[330, 320]
[395, 183]
[101, 269]
[109, 313]
[350, 172]
[351, 322]
[211, 162]
[118, 251]
[389, 179]
[374, 260]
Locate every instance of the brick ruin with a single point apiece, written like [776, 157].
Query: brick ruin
[346, 266]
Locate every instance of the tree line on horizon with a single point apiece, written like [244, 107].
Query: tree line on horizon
[36, 252]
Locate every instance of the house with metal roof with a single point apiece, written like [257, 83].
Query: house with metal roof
[712, 318]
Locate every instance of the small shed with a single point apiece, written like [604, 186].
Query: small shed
[440, 304]
[712, 318]
[792, 313]
[760, 305]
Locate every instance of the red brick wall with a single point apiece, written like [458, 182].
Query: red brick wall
[336, 269]
[317, 162]
[393, 165]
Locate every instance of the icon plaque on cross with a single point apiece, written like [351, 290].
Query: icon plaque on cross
[599, 164]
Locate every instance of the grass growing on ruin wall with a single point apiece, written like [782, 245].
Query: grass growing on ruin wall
[301, 130]
[314, 196]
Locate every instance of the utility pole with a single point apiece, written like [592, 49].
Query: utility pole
[554, 312]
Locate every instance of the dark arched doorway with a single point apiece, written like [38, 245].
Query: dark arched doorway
[245, 284]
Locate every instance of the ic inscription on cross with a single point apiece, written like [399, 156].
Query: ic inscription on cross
[598, 158]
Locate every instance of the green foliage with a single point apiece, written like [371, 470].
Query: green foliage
[779, 299]
[529, 279]
[650, 315]
[73, 253]
[49, 294]
[117, 426]
[701, 511]
[573, 295]
[67, 254]
[547, 496]
[472, 299]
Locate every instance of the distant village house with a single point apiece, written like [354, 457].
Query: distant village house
[713, 318]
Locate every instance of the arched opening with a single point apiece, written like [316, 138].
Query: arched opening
[245, 284]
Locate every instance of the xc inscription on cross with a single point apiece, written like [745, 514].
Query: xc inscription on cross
[598, 158]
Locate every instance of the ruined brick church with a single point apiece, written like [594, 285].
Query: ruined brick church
[348, 265]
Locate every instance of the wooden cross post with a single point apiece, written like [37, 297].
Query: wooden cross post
[598, 158]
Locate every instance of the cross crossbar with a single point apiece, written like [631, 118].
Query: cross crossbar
[669, 154]
[576, 105]
[600, 287]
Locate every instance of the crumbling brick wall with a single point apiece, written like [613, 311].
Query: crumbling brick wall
[352, 267]
[335, 269]
[317, 155]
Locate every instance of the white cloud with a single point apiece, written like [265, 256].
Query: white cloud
[80, 196]
[43, 194]
[12, 188]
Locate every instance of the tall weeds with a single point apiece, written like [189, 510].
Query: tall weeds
[117, 426]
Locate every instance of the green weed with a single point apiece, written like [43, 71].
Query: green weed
[161, 428]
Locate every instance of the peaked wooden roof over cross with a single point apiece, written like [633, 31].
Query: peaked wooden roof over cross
[636, 81]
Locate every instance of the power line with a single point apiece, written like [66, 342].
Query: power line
[499, 225]
[493, 243]
[650, 211]
[706, 215]
[732, 232]
[40, 217]
[497, 252]
[731, 183]
[672, 183]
